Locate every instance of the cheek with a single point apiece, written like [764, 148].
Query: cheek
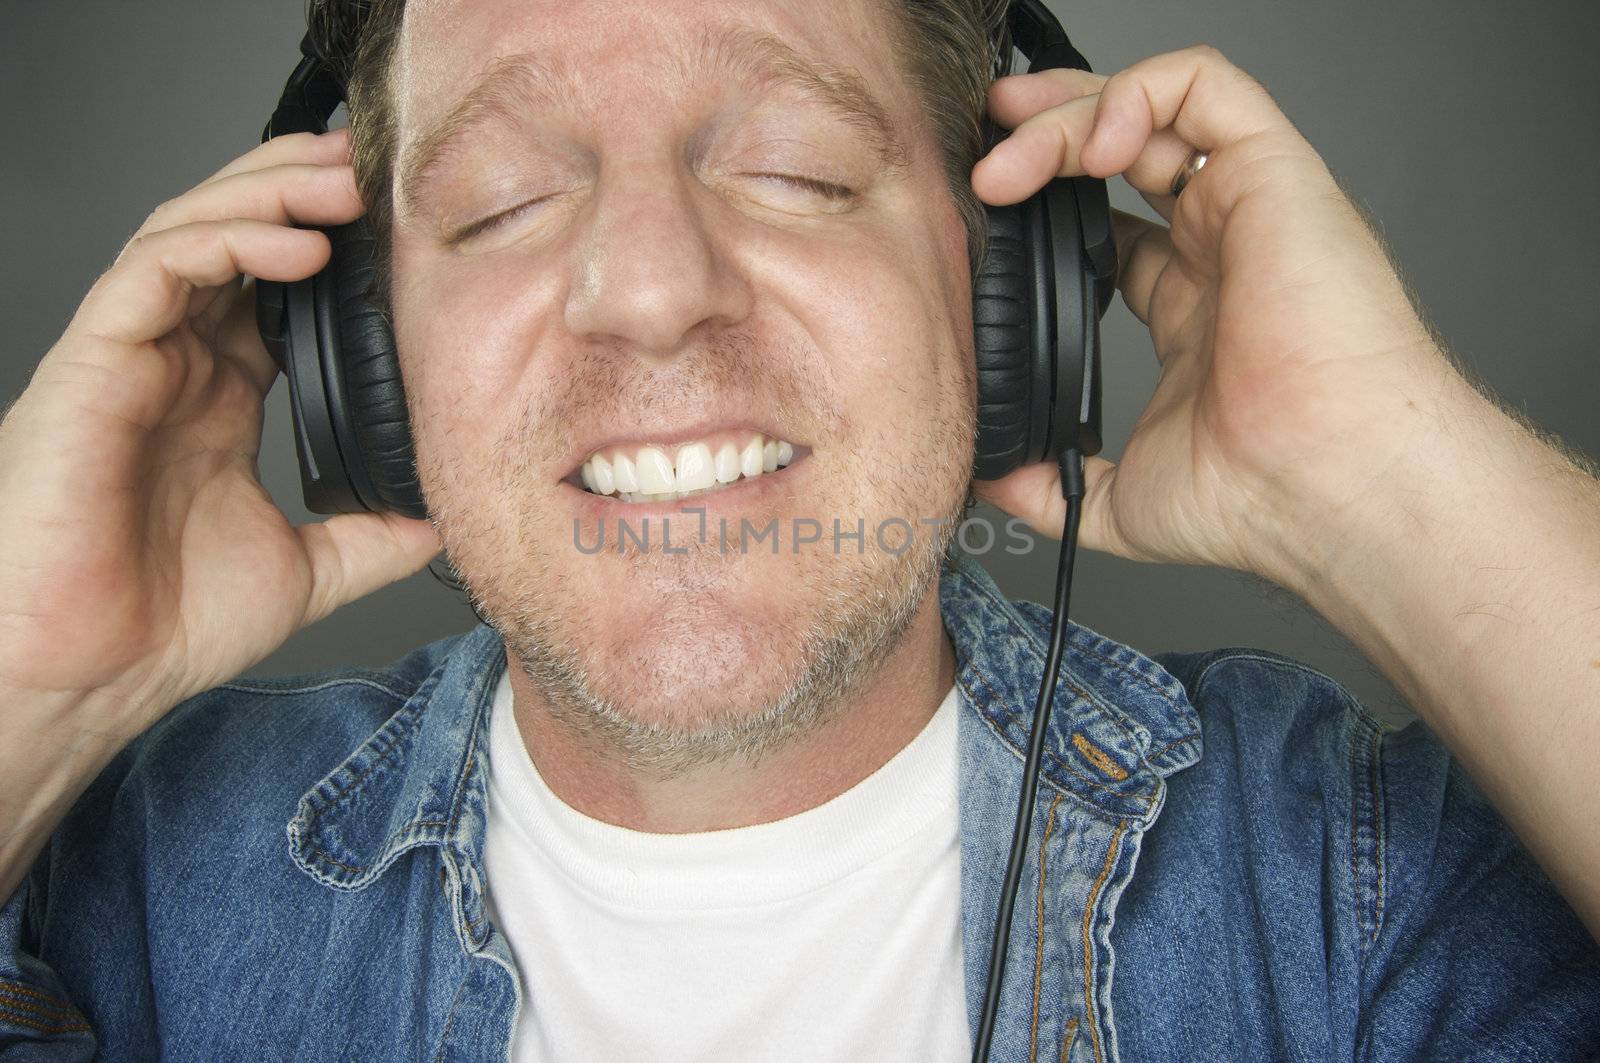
[465, 332]
[894, 319]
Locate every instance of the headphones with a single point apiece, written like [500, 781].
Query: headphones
[1037, 299]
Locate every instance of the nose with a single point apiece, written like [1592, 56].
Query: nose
[648, 271]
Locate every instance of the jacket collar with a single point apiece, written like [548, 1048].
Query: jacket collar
[1121, 723]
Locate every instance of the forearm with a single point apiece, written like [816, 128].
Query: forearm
[1468, 570]
[51, 749]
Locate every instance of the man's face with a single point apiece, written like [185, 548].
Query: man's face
[602, 248]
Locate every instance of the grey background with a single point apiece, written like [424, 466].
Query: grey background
[1468, 129]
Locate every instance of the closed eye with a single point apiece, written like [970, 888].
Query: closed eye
[822, 188]
[493, 221]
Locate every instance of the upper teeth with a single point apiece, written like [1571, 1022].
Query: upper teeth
[655, 474]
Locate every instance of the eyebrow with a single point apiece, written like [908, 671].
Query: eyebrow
[516, 84]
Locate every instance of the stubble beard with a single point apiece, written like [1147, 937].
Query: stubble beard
[867, 602]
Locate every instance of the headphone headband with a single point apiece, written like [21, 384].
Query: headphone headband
[309, 99]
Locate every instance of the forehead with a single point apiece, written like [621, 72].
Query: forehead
[606, 54]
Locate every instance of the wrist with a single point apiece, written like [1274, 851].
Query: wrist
[1381, 488]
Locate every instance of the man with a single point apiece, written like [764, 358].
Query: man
[754, 804]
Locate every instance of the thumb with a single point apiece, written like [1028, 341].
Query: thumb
[353, 554]
[1033, 493]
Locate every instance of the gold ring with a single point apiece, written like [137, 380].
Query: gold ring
[1190, 167]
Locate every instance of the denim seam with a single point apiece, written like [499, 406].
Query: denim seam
[450, 1020]
[1062, 680]
[1112, 714]
[1069, 1034]
[1350, 701]
[1090, 1012]
[21, 1018]
[1009, 610]
[42, 1012]
[247, 687]
[1372, 731]
[1380, 828]
[1170, 746]
[992, 697]
[1365, 841]
[1148, 797]
[390, 735]
[458, 801]
[1038, 944]
[50, 1001]
[394, 845]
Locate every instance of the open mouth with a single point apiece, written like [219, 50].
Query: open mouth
[656, 473]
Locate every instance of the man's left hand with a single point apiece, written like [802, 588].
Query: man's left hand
[1291, 357]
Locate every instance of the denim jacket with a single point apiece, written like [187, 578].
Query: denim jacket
[293, 870]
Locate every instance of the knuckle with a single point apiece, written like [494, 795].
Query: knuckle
[162, 217]
[138, 247]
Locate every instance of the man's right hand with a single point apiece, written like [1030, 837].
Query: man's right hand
[142, 561]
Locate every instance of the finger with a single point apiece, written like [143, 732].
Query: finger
[353, 554]
[148, 292]
[1144, 250]
[1050, 143]
[1032, 492]
[1162, 205]
[236, 337]
[292, 193]
[1196, 93]
[1017, 97]
[319, 149]
[1042, 147]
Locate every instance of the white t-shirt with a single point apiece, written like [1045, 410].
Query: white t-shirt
[834, 934]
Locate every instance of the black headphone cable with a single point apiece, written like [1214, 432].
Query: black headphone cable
[1072, 488]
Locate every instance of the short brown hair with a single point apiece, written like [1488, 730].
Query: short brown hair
[949, 49]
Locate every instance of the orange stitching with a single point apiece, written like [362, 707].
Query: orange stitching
[1088, 953]
[1038, 947]
[29, 991]
[19, 1002]
[81, 1027]
[1068, 1035]
[1098, 757]
[1057, 761]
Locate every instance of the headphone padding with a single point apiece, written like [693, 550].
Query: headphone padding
[376, 397]
[1002, 321]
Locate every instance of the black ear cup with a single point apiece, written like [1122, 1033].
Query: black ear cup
[1036, 305]
[1010, 323]
[375, 398]
[336, 348]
